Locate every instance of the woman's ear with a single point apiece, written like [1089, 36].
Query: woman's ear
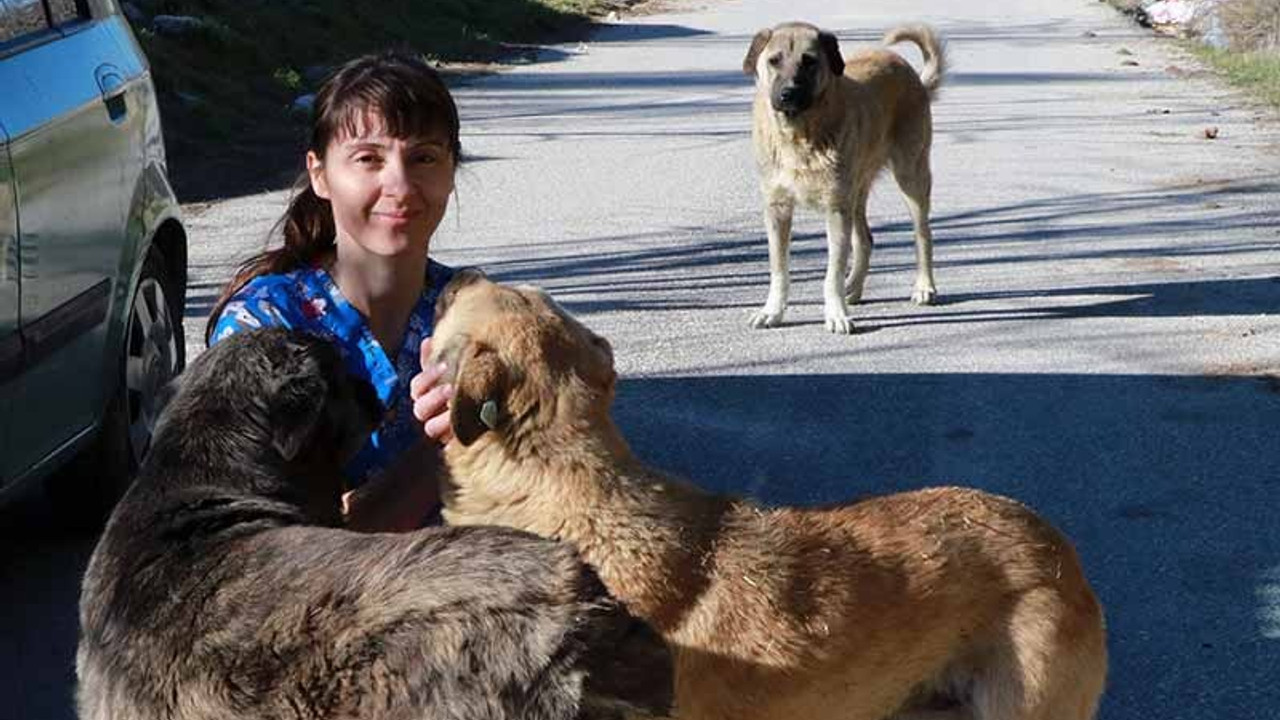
[480, 393]
[315, 171]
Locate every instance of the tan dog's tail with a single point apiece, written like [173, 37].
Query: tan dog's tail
[935, 62]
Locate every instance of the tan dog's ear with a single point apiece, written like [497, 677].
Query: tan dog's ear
[604, 376]
[753, 54]
[460, 279]
[831, 48]
[480, 389]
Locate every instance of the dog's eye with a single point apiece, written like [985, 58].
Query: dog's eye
[808, 61]
[775, 60]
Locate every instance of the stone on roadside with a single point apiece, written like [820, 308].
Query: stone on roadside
[302, 104]
[176, 25]
[134, 14]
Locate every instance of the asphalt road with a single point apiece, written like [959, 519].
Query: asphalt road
[1107, 348]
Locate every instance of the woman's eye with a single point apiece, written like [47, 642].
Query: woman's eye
[366, 159]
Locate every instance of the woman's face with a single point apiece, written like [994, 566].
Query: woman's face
[388, 194]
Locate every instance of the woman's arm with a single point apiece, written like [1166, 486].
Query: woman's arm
[403, 496]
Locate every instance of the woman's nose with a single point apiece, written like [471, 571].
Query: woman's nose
[395, 177]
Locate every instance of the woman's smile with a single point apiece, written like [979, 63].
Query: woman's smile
[397, 217]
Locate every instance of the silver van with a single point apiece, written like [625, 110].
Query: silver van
[93, 253]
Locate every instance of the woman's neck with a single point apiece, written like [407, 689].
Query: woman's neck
[384, 289]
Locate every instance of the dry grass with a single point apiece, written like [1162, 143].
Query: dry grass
[1251, 25]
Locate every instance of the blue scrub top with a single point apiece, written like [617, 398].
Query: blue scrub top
[308, 299]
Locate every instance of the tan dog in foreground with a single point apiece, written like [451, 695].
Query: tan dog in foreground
[947, 600]
[823, 129]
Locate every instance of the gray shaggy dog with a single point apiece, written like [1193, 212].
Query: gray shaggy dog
[225, 587]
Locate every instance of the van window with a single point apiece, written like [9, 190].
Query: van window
[21, 17]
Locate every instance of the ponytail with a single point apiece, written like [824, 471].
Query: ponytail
[308, 233]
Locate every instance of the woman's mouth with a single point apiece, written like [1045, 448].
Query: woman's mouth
[397, 216]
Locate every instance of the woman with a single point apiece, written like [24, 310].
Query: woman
[355, 268]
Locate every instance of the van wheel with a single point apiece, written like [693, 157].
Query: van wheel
[154, 354]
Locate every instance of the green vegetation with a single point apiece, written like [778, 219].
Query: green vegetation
[226, 87]
[1251, 60]
[1258, 72]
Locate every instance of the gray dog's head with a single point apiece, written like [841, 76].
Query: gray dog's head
[793, 63]
[289, 389]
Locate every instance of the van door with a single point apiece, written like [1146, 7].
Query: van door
[66, 107]
[10, 338]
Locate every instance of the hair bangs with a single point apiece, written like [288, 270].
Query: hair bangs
[399, 102]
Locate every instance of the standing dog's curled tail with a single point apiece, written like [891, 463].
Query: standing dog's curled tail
[935, 63]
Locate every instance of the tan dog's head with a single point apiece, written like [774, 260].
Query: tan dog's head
[521, 365]
[794, 63]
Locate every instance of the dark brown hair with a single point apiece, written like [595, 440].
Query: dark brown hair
[410, 99]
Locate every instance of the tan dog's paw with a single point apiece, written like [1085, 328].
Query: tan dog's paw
[765, 318]
[925, 295]
[839, 324]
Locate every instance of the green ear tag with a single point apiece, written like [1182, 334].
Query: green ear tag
[489, 414]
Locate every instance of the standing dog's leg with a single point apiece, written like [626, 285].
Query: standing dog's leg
[777, 220]
[856, 280]
[839, 230]
[916, 181]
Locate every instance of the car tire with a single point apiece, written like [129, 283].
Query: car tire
[154, 353]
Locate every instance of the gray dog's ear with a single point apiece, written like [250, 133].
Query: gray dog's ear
[753, 53]
[479, 396]
[831, 48]
[295, 409]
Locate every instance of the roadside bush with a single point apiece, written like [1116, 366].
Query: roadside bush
[1251, 25]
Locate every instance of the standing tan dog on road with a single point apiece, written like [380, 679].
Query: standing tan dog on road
[823, 129]
[945, 601]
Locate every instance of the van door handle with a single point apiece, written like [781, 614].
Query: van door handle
[112, 86]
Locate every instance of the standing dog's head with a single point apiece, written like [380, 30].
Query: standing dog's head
[521, 364]
[793, 63]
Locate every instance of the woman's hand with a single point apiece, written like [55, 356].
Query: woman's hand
[431, 397]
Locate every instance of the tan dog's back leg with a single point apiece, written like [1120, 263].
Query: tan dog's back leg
[863, 243]
[915, 178]
[1052, 667]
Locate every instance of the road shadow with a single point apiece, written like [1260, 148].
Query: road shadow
[1167, 484]
[638, 32]
[41, 562]
[709, 267]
